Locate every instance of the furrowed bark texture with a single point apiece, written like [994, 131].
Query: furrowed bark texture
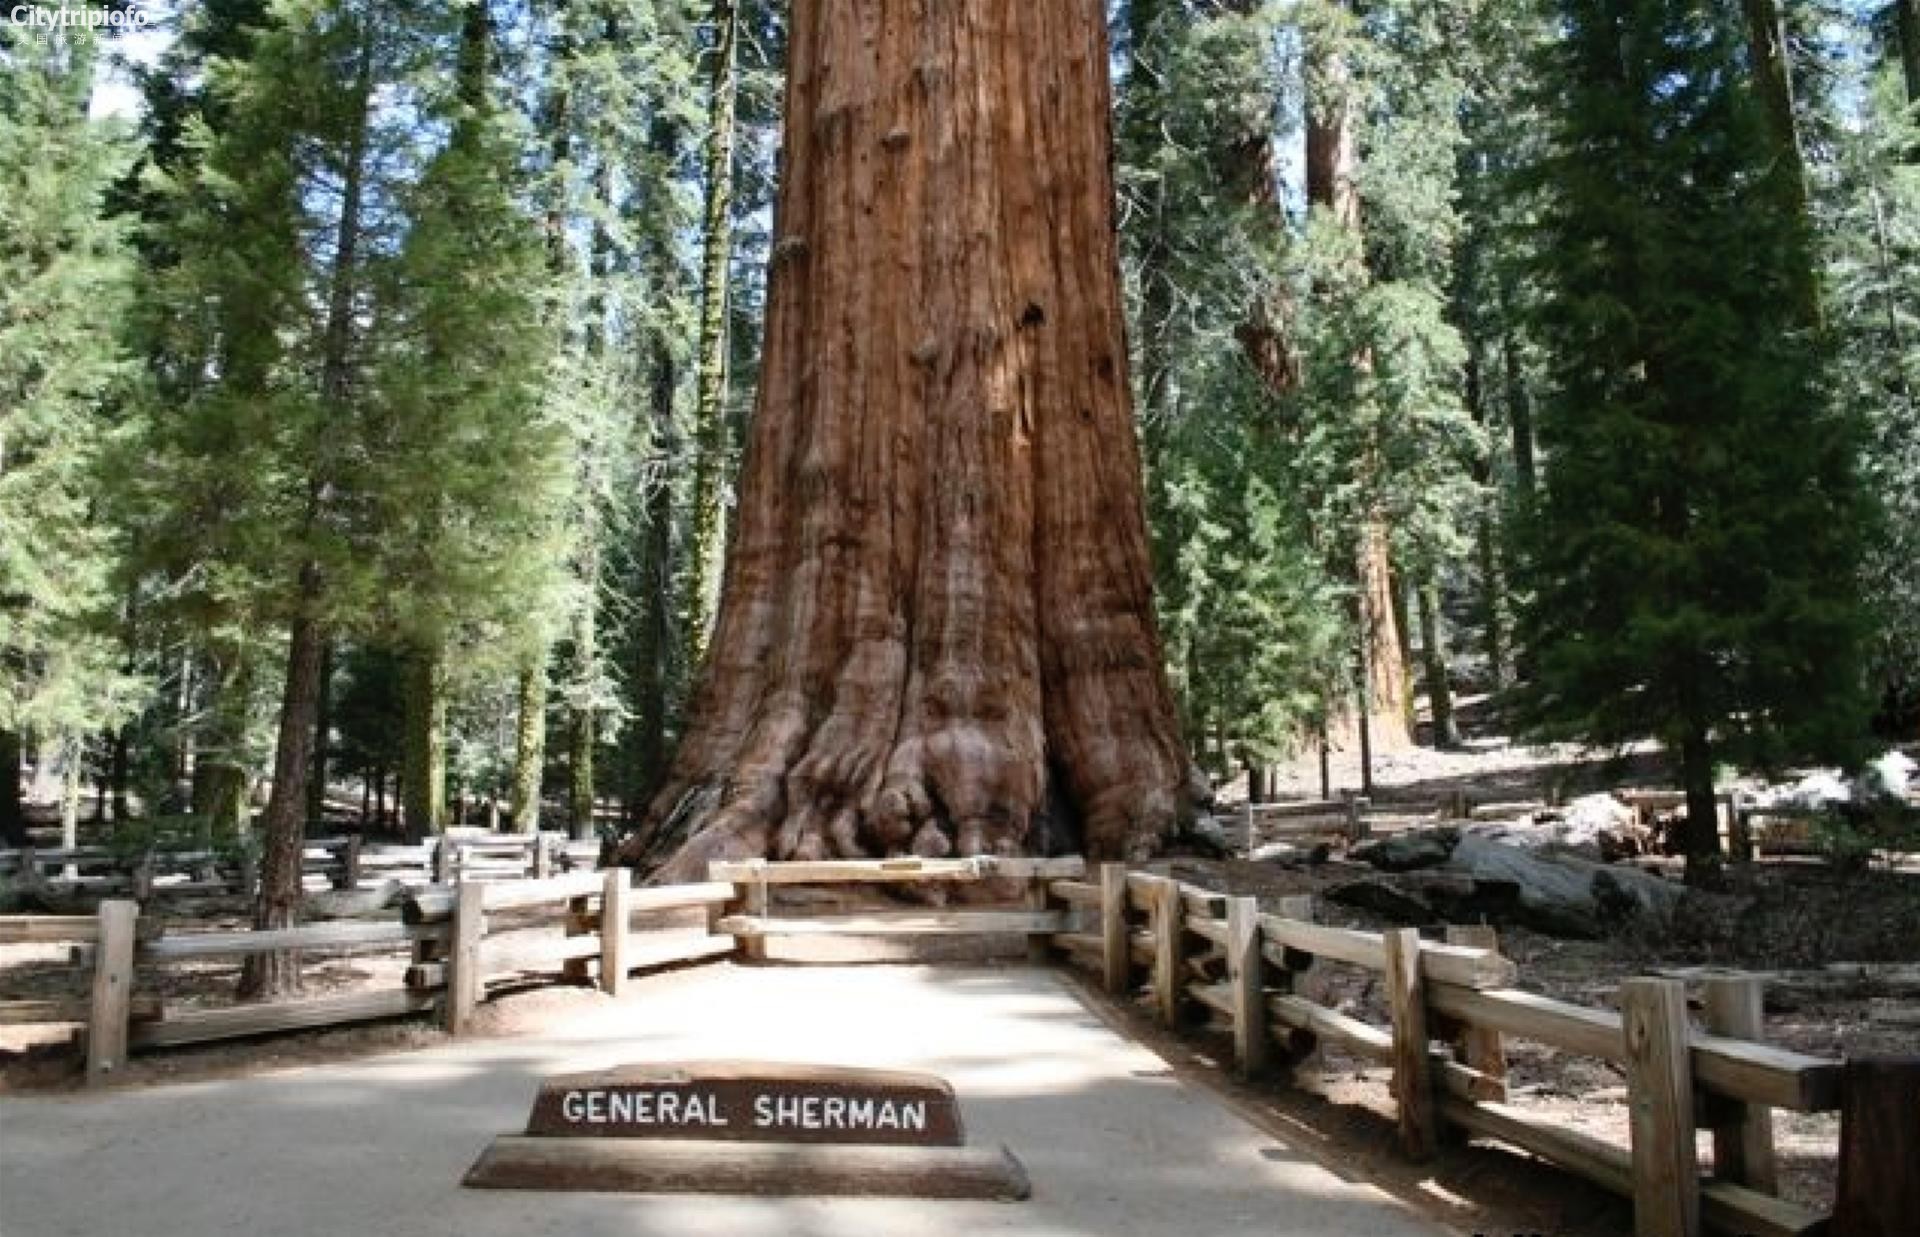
[937, 608]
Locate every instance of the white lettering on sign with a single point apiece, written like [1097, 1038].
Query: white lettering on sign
[832, 1112]
[628, 1107]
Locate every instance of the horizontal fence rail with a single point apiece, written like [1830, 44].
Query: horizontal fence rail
[1193, 952]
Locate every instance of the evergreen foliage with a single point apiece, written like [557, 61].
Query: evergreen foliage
[1691, 556]
[66, 380]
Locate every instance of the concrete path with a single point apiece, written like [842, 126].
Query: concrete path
[1114, 1144]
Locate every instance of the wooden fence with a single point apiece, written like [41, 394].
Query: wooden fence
[346, 862]
[1198, 950]
[1190, 949]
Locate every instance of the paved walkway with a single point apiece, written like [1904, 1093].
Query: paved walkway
[1116, 1147]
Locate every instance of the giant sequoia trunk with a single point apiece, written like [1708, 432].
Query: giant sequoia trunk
[1332, 167]
[936, 633]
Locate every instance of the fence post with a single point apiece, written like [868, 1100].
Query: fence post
[1666, 1180]
[1739, 829]
[542, 856]
[443, 861]
[112, 989]
[1412, 1064]
[1116, 934]
[1479, 1048]
[579, 912]
[350, 862]
[1742, 1133]
[463, 957]
[1246, 821]
[1879, 1193]
[1169, 912]
[1247, 982]
[1038, 951]
[1357, 817]
[615, 917]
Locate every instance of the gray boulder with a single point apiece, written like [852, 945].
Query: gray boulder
[1560, 893]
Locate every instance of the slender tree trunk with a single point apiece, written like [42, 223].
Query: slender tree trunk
[581, 728]
[120, 772]
[712, 442]
[13, 808]
[653, 639]
[1773, 75]
[423, 780]
[1492, 599]
[1433, 648]
[1908, 22]
[278, 905]
[938, 600]
[220, 767]
[1701, 840]
[1145, 134]
[1526, 473]
[72, 770]
[183, 752]
[322, 734]
[529, 747]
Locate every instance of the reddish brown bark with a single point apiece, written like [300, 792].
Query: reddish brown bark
[1332, 165]
[937, 607]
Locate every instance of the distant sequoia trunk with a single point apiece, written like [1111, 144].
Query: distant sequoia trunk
[936, 632]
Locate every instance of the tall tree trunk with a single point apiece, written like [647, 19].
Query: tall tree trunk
[423, 779]
[711, 440]
[278, 904]
[580, 727]
[220, 768]
[1701, 840]
[1907, 20]
[1332, 169]
[529, 746]
[73, 761]
[1433, 649]
[1145, 133]
[653, 646]
[1492, 609]
[938, 600]
[1526, 473]
[1773, 75]
[183, 756]
[13, 809]
[322, 735]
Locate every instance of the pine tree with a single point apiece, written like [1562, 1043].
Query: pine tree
[1873, 272]
[712, 442]
[469, 473]
[1691, 551]
[64, 292]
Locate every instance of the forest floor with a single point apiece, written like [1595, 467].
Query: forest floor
[1785, 915]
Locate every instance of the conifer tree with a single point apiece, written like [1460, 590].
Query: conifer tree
[469, 473]
[1691, 553]
[712, 442]
[64, 290]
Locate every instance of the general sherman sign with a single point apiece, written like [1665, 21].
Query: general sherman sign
[751, 1102]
